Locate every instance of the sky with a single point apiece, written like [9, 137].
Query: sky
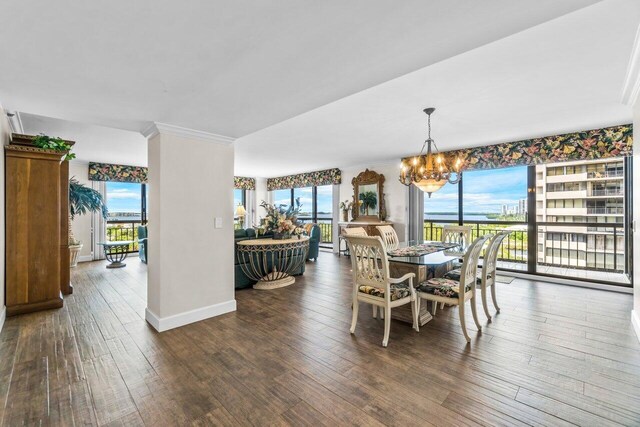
[484, 191]
[123, 197]
[282, 197]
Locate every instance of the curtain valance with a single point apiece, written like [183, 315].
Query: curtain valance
[117, 173]
[244, 183]
[309, 179]
[615, 141]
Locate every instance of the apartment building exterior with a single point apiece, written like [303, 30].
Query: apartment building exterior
[586, 201]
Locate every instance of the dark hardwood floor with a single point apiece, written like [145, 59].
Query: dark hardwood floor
[556, 355]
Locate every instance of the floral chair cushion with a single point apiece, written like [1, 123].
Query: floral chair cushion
[398, 291]
[441, 286]
[455, 275]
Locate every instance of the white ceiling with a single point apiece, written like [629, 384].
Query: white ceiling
[561, 76]
[314, 81]
[93, 143]
[231, 67]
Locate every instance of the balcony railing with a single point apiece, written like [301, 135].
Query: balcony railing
[118, 231]
[514, 246]
[606, 256]
[607, 192]
[606, 210]
[326, 230]
[605, 174]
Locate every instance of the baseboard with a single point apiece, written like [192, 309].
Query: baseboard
[177, 320]
[85, 258]
[635, 321]
[3, 316]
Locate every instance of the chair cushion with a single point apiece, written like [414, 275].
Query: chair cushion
[398, 291]
[455, 275]
[442, 287]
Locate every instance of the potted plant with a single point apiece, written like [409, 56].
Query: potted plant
[369, 200]
[82, 200]
[282, 222]
[346, 206]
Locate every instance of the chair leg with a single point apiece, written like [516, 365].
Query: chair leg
[493, 297]
[434, 307]
[483, 295]
[414, 312]
[387, 325]
[417, 326]
[375, 311]
[474, 312]
[462, 324]
[354, 318]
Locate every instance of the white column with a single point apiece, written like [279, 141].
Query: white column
[190, 266]
[631, 97]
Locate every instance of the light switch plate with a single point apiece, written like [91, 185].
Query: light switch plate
[217, 222]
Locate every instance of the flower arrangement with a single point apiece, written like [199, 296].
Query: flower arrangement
[280, 220]
[346, 205]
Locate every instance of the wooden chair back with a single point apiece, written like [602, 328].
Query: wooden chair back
[491, 258]
[469, 267]
[460, 234]
[369, 262]
[389, 236]
[354, 231]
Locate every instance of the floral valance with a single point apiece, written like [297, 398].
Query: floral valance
[117, 173]
[244, 183]
[309, 179]
[615, 141]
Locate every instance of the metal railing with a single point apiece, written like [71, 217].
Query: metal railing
[607, 192]
[606, 210]
[118, 230]
[601, 249]
[513, 248]
[605, 174]
[326, 230]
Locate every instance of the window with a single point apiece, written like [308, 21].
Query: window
[239, 198]
[496, 194]
[126, 202]
[305, 194]
[282, 197]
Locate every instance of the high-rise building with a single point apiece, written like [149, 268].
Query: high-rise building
[581, 194]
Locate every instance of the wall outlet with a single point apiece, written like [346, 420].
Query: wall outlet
[217, 222]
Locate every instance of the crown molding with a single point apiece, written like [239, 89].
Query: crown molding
[631, 87]
[156, 128]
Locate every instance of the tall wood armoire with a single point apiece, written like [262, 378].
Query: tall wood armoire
[37, 247]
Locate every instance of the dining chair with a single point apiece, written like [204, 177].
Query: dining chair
[389, 236]
[373, 285]
[352, 231]
[452, 292]
[487, 277]
[460, 234]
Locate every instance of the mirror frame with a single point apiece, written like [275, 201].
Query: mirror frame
[364, 178]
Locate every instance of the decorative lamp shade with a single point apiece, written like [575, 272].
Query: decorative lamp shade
[240, 211]
[430, 185]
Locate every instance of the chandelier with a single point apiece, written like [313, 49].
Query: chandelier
[431, 171]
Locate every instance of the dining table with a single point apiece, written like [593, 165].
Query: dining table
[427, 260]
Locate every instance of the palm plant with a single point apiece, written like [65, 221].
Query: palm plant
[83, 200]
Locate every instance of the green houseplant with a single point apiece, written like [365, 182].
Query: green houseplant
[82, 200]
[47, 142]
[369, 200]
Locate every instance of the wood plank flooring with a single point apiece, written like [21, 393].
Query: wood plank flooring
[555, 356]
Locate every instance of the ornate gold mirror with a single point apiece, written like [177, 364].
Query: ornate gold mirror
[368, 200]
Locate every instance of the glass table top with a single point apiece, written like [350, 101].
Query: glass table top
[442, 256]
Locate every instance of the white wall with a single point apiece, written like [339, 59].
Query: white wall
[635, 314]
[190, 270]
[81, 224]
[5, 138]
[260, 194]
[396, 194]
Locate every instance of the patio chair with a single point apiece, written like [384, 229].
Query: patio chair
[452, 292]
[373, 285]
[389, 236]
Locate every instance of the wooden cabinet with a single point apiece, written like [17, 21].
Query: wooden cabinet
[37, 199]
